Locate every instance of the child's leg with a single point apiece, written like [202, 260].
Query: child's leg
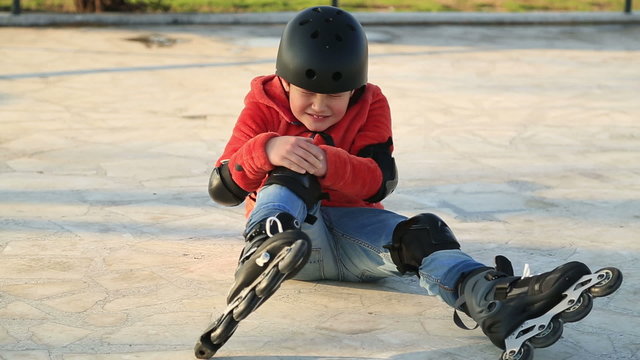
[516, 313]
[364, 236]
[274, 199]
[273, 226]
[360, 235]
[322, 264]
[441, 271]
[275, 250]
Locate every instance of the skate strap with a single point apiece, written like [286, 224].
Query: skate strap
[458, 321]
[456, 318]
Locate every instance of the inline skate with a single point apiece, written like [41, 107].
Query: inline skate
[519, 314]
[276, 249]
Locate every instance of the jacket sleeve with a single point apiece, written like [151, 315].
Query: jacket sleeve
[245, 152]
[352, 173]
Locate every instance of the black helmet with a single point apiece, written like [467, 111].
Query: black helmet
[323, 49]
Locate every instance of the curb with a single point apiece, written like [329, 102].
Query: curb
[366, 18]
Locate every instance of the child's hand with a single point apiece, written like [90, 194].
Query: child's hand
[299, 154]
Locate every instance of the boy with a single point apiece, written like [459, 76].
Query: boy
[311, 157]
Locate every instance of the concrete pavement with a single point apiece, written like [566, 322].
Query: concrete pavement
[526, 140]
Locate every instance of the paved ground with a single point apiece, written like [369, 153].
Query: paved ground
[525, 139]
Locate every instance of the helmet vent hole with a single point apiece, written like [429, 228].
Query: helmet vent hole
[315, 34]
[338, 38]
[310, 74]
[318, 10]
[304, 22]
[351, 27]
[328, 20]
[336, 76]
[339, 12]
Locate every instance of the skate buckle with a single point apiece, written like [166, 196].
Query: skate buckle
[526, 272]
[263, 259]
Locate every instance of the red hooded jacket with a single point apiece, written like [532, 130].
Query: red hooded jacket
[349, 179]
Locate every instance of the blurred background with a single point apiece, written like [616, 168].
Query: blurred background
[238, 6]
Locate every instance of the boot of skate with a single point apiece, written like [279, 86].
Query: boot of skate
[262, 243]
[275, 250]
[521, 313]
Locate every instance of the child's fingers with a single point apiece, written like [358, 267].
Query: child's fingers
[312, 153]
[294, 167]
[300, 161]
[312, 148]
[296, 153]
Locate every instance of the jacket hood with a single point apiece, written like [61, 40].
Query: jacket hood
[268, 91]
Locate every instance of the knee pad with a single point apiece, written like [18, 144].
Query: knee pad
[305, 186]
[418, 237]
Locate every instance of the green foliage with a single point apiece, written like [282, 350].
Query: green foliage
[40, 5]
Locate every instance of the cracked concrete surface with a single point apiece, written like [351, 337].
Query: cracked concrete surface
[525, 139]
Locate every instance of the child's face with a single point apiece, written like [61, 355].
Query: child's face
[316, 111]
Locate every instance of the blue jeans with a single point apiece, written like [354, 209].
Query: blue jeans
[348, 244]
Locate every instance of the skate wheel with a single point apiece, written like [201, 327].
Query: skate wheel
[612, 279]
[297, 257]
[525, 353]
[202, 352]
[581, 308]
[549, 335]
[224, 330]
[246, 306]
[270, 283]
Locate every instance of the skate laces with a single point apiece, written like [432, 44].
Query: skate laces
[271, 221]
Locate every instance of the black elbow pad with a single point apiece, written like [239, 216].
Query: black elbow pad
[381, 154]
[223, 190]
